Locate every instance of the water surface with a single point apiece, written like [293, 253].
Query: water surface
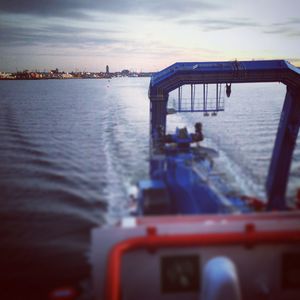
[70, 149]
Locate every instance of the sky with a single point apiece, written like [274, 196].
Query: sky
[144, 35]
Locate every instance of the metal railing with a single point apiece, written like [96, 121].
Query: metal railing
[197, 105]
[152, 240]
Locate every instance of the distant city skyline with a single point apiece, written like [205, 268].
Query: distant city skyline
[144, 35]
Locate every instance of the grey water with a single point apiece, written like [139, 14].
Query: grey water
[71, 149]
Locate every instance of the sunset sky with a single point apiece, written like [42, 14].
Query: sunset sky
[144, 35]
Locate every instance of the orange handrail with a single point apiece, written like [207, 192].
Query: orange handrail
[153, 241]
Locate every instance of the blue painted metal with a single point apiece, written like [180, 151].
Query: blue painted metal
[151, 184]
[153, 197]
[180, 74]
[283, 150]
[224, 72]
[188, 189]
[190, 194]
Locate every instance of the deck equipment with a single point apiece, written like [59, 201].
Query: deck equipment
[187, 240]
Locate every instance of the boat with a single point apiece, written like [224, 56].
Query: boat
[185, 239]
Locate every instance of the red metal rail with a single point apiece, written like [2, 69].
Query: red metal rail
[249, 237]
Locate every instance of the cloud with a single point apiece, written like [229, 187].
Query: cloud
[289, 28]
[58, 35]
[23, 22]
[286, 31]
[80, 8]
[289, 32]
[279, 30]
[219, 24]
[291, 21]
[42, 7]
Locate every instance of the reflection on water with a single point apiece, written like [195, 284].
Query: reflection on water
[69, 151]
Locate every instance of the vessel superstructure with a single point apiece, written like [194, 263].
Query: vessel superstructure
[186, 240]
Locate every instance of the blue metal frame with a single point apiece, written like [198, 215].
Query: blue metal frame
[283, 150]
[178, 74]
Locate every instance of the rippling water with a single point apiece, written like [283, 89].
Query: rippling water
[244, 135]
[70, 149]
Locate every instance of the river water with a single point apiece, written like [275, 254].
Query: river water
[71, 149]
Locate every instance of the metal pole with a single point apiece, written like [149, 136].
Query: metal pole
[179, 98]
[283, 150]
[192, 96]
[204, 100]
[217, 97]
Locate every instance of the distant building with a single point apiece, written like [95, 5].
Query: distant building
[125, 72]
[67, 76]
[56, 71]
[107, 69]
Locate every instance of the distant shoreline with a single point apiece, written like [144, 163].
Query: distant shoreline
[57, 74]
[73, 78]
